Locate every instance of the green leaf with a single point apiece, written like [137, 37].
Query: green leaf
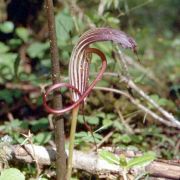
[39, 124]
[22, 33]
[64, 24]
[113, 20]
[118, 125]
[87, 137]
[122, 160]
[160, 101]
[107, 122]
[81, 134]
[17, 124]
[43, 137]
[7, 27]
[14, 43]
[3, 48]
[6, 95]
[16, 66]
[11, 174]
[8, 59]
[89, 119]
[7, 66]
[137, 161]
[109, 157]
[37, 49]
[125, 138]
[136, 138]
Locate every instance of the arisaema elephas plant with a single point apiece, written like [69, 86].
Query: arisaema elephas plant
[79, 74]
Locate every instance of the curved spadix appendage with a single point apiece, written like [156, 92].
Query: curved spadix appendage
[80, 61]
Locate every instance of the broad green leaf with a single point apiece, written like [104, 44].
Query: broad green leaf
[39, 124]
[43, 137]
[109, 157]
[93, 120]
[6, 95]
[118, 125]
[7, 27]
[7, 66]
[89, 119]
[125, 138]
[136, 138]
[107, 122]
[138, 161]
[64, 24]
[15, 42]
[83, 136]
[101, 114]
[16, 124]
[22, 33]
[160, 101]
[37, 49]
[11, 174]
[8, 59]
[3, 48]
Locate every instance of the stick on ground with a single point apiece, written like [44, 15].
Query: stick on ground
[91, 163]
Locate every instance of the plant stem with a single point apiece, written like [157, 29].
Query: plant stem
[71, 140]
[57, 101]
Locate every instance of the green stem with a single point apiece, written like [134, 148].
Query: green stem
[72, 138]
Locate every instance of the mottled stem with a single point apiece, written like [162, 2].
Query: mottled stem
[57, 102]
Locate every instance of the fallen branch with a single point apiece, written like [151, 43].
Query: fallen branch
[90, 162]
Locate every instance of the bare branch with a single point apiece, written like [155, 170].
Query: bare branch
[140, 106]
[127, 79]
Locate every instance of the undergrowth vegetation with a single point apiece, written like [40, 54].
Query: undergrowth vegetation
[25, 69]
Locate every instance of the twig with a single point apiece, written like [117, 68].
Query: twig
[126, 125]
[33, 154]
[142, 69]
[166, 114]
[127, 79]
[140, 106]
[90, 162]
[57, 101]
[103, 141]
